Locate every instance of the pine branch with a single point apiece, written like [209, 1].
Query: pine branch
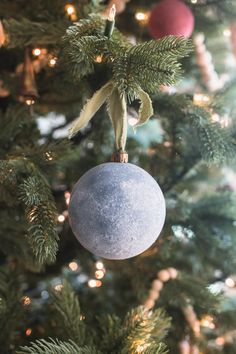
[13, 240]
[150, 64]
[41, 216]
[212, 142]
[55, 346]
[111, 332]
[145, 330]
[216, 143]
[68, 313]
[25, 32]
[11, 311]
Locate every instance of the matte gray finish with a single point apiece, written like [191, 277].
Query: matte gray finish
[117, 210]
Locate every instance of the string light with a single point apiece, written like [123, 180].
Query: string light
[99, 265]
[73, 266]
[98, 283]
[230, 282]
[61, 218]
[200, 99]
[194, 1]
[28, 331]
[207, 321]
[142, 17]
[67, 197]
[220, 341]
[167, 144]
[112, 13]
[26, 300]
[71, 12]
[93, 283]
[48, 156]
[227, 32]
[99, 274]
[224, 121]
[29, 101]
[58, 287]
[36, 52]
[52, 62]
[98, 58]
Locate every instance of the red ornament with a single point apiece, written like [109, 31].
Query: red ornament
[171, 17]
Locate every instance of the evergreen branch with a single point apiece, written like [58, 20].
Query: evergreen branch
[11, 310]
[68, 312]
[211, 142]
[25, 32]
[221, 205]
[145, 330]
[111, 332]
[216, 144]
[41, 216]
[168, 47]
[14, 242]
[150, 64]
[12, 122]
[55, 346]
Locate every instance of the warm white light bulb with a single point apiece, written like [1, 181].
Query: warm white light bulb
[112, 13]
[36, 52]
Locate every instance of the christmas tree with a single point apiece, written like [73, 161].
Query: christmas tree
[85, 80]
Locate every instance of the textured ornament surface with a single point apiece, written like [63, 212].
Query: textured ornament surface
[171, 17]
[117, 210]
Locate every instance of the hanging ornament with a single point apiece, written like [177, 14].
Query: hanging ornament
[28, 88]
[2, 35]
[204, 60]
[117, 210]
[171, 17]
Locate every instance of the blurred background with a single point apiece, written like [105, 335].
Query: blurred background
[50, 286]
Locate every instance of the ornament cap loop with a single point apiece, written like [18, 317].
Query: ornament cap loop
[120, 156]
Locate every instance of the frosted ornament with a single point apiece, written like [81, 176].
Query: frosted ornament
[117, 210]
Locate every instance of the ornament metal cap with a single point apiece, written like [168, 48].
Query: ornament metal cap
[120, 156]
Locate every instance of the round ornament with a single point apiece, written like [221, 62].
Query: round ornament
[116, 210]
[171, 17]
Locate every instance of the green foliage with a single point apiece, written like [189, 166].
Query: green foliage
[194, 123]
[150, 64]
[145, 330]
[146, 65]
[140, 330]
[11, 314]
[24, 32]
[52, 346]
[41, 216]
[216, 144]
[68, 313]
[84, 41]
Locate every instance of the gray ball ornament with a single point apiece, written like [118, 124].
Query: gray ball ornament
[117, 210]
